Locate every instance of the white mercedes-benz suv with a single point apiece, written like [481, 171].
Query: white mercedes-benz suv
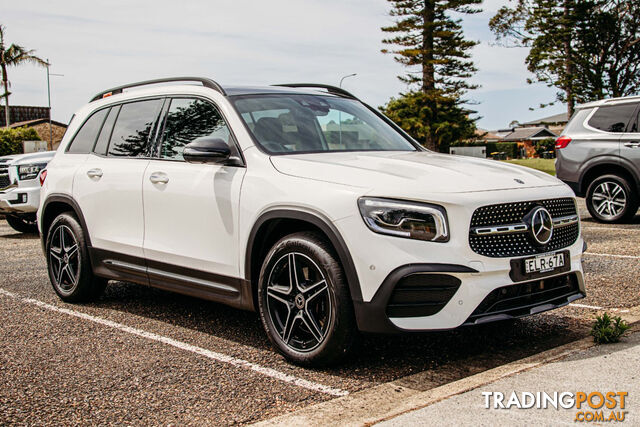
[302, 203]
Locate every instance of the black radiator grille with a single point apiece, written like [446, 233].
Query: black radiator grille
[520, 244]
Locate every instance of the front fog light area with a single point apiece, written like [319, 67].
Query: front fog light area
[410, 220]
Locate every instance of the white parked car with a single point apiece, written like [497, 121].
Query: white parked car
[20, 178]
[303, 203]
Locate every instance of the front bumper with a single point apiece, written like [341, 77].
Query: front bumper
[463, 278]
[462, 303]
[22, 199]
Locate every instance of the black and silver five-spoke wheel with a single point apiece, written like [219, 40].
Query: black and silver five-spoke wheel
[610, 199]
[68, 261]
[304, 302]
[64, 259]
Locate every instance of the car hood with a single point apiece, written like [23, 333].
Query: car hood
[441, 173]
[40, 157]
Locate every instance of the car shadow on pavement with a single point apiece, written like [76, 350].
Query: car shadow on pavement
[448, 355]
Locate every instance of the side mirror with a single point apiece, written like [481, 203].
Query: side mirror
[207, 150]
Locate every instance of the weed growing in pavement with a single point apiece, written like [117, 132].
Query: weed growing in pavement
[607, 330]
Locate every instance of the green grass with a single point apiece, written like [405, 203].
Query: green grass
[544, 165]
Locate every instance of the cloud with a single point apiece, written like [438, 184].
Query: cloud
[97, 45]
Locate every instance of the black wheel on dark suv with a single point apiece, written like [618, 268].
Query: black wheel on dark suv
[610, 199]
[68, 261]
[304, 302]
[23, 224]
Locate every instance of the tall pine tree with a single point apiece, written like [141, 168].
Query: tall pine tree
[587, 49]
[427, 38]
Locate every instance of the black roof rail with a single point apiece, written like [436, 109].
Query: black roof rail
[331, 89]
[205, 82]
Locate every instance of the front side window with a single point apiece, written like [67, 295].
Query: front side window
[187, 120]
[132, 131]
[86, 136]
[289, 124]
[612, 118]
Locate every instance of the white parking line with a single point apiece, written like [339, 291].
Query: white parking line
[595, 307]
[613, 255]
[219, 357]
[610, 228]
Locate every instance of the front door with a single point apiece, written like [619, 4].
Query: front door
[191, 210]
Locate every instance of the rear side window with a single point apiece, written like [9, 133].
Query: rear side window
[105, 133]
[86, 136]
[132, 131]
[187, 120]
[614, 118]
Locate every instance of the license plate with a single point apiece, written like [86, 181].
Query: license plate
[544, 263]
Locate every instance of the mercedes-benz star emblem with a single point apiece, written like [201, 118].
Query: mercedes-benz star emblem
[541, 225]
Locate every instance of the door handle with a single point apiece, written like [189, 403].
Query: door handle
[632, 144]
[159, 178]
[94, 173]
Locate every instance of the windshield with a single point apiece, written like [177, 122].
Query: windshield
[289, 124]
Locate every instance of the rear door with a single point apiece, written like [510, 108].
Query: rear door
[191, 210]
[108, 186]
[630, 143]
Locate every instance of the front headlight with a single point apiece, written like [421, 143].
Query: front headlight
[411, 220]
[30, 171]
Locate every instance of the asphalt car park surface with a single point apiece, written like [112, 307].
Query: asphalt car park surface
[141, 355]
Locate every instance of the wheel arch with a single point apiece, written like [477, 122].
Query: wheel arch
[54, 205]
[277, 223]
[607, 168]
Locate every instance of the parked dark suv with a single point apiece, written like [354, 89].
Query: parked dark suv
[598, 156]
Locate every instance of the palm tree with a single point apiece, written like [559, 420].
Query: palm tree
[13, 55]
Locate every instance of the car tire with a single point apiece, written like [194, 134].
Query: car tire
[308, 316]
[22, 224]
[610, 199]
[68, 261]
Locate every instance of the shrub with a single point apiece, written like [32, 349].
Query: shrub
[509, 148]
[608, 330]
[548, 144]
[11, 139]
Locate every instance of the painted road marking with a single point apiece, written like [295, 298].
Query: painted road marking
[610, 228]
[595, 307]
[219, 357]
[613, 255]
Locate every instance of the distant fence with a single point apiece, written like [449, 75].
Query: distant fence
[23, 113]
[469, 151]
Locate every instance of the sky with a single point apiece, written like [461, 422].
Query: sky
[97, 45]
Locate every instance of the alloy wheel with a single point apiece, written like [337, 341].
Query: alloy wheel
[64, 259]
[609, 199]
[299, 302]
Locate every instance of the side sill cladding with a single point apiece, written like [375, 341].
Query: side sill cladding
[325, 225]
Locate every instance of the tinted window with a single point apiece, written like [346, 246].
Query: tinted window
[612, 119]
[86, 136]
[187, 120]
[105, 133]
[304, 123]
[133, 128]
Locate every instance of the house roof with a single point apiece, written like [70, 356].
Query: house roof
[531, 133]
[35, 122]
[556, 118]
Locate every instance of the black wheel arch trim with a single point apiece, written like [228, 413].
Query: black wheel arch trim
[326, 226]
[372, 317]
[600, 161]
[67, 199]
